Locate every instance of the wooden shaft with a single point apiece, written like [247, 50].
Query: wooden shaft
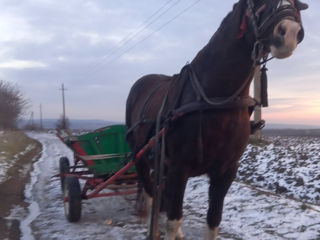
[257, 96]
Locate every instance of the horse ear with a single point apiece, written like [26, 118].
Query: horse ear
[300, 5]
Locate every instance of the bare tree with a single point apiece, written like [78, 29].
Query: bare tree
[63, 123]
[12, 105]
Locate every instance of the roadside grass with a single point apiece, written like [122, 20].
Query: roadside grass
[17, 154]
[12, 143]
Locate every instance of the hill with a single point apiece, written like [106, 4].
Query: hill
[76, 124]
[271, 129]
[292, 132]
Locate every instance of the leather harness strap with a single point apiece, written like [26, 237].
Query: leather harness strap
[240, 102]
[203, 103]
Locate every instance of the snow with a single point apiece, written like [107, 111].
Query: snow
[251, 212]
[3, 168]
[33, 207]
[288, 165]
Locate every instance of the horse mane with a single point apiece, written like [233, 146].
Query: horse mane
[223, 52]
[230, 25]
[234, 17]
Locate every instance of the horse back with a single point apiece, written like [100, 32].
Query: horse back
[143, 104]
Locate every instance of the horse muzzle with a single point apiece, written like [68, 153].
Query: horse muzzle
[285, 38]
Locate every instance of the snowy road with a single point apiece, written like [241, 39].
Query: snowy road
[248, 214]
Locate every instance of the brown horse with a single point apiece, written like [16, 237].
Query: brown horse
[205, 108]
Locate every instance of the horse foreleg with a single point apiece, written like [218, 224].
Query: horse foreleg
[145, 180]
[147, 205]
[218, 189]
[174, 192]
[174, 230]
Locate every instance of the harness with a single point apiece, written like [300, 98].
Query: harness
[203, 103]
[259, 55]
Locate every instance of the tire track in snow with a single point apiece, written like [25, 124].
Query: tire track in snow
[33, 208]
[38, 181]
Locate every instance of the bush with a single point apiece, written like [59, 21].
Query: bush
[63, 123]
[12, 105]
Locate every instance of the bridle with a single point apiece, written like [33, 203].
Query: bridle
[281, 10]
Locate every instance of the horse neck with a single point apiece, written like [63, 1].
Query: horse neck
[224, 64]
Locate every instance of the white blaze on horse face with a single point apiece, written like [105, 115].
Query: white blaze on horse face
[284, 2]
[212, 233]
[174, 230]
[286, 31]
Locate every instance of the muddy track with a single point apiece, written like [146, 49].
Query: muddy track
[12, 192]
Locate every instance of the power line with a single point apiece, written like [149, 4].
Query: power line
[133, 35]
[143, 24]
[155, 31]
[145, 27]
[41, 126]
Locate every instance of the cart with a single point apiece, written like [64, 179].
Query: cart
[103, 160]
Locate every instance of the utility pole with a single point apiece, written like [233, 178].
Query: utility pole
[41, 126]
[257, 96]
[63, 107]
[32, 123]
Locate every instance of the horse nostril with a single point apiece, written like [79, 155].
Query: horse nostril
[300, 35]
[281, 30]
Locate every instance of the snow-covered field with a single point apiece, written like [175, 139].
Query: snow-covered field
[252, 209]
[289, 166]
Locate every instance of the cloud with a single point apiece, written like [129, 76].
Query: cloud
[16, 29]
[137, 58]
[21, 64]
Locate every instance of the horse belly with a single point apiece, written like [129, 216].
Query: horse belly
[225, 143]
[219, 146]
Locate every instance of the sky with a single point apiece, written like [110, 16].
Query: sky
[98, 49]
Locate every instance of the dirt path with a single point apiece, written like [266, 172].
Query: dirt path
[32, 208]
[249, 213]
[12, 189]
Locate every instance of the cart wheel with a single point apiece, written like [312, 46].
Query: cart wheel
[64, 168]
[72, 199]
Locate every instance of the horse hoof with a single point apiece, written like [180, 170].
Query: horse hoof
[156, 237]
[179, 235]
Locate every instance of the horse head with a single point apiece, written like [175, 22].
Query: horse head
[275, 24]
